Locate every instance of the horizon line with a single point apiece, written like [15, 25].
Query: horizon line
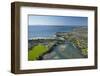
[57, 25]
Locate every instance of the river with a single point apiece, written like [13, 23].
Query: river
[64, 51]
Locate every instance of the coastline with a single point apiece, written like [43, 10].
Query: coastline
[73, 37]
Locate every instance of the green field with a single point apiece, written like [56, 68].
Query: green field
[36, 51]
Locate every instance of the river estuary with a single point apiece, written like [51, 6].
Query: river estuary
[64, 51]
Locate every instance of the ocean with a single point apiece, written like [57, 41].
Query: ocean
[47, 31]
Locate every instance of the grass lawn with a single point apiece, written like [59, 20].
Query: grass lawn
[36, 52]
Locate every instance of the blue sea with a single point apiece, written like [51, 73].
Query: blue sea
[47, 31]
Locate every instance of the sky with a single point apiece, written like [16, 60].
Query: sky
[57, 20]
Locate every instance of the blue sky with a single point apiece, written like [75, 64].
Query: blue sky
[57, 20]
